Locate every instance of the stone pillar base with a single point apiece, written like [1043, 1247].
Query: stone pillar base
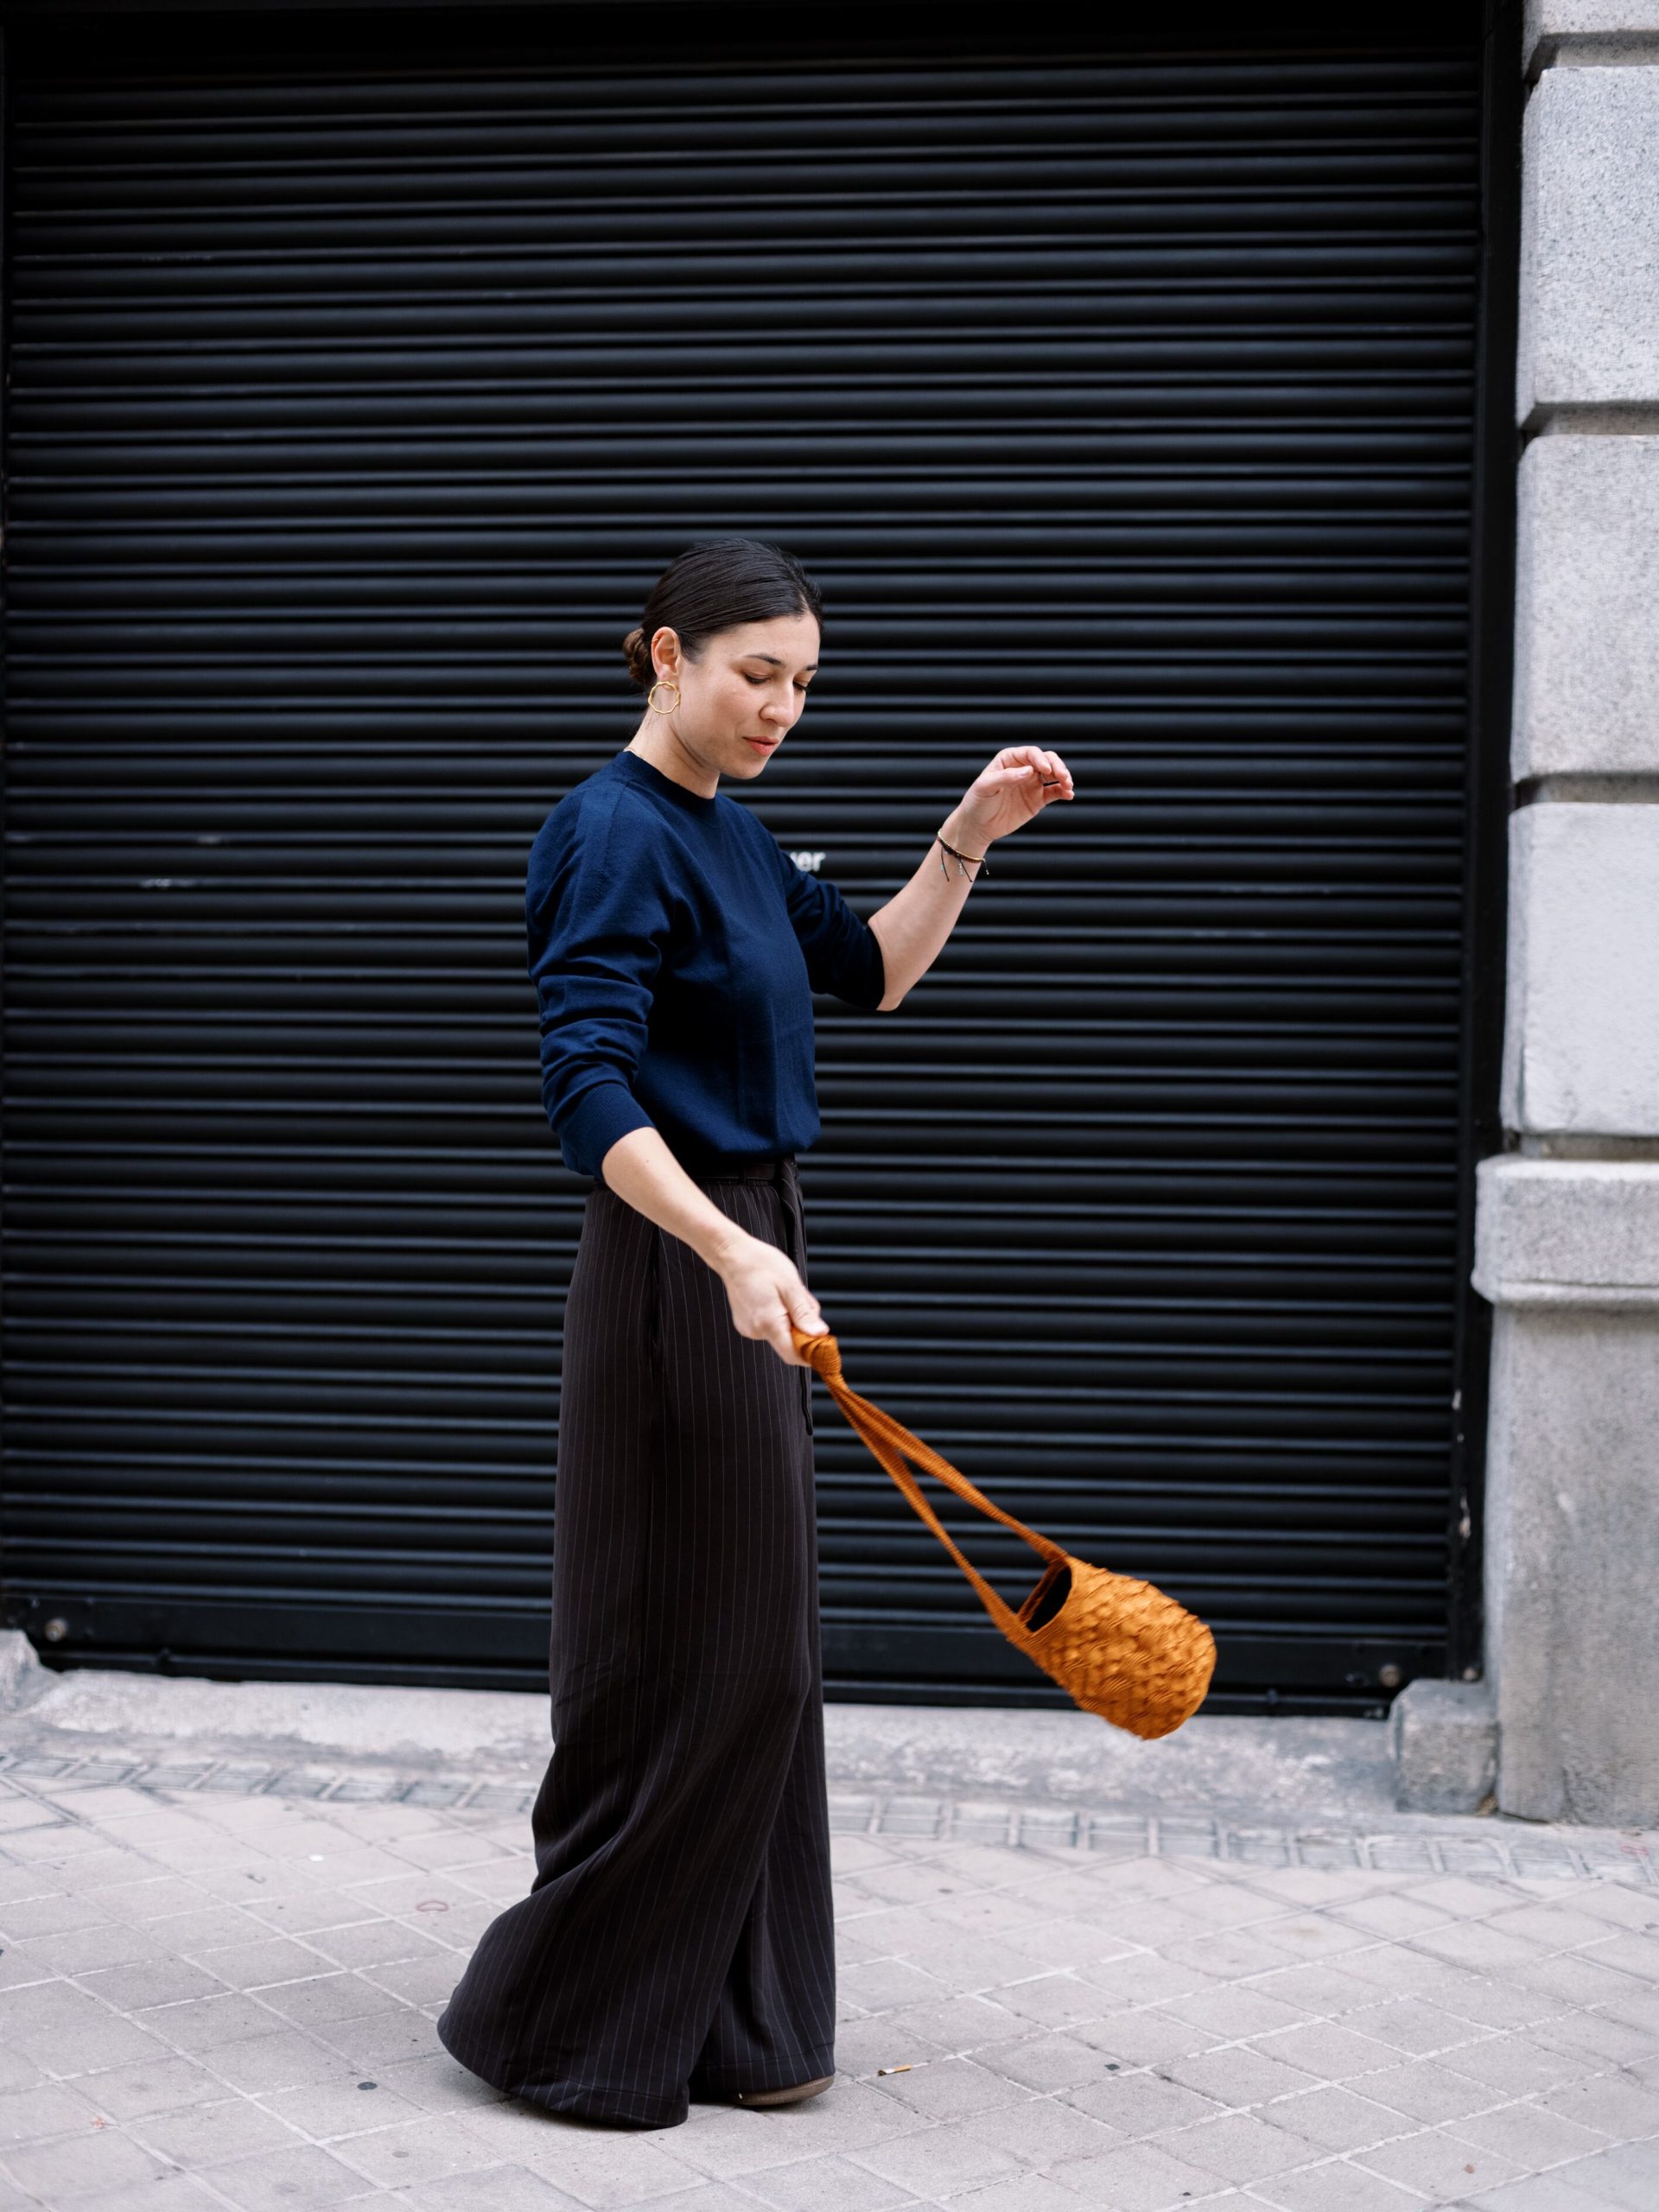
[1444, 1738]
[1568, 1252]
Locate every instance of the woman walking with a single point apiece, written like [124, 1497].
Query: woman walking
[676, 1940]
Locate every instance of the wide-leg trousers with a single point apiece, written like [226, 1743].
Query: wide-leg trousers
[676, 1940]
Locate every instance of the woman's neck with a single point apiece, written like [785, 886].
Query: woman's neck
[664, 751]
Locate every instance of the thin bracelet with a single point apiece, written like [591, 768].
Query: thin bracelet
[959, 859]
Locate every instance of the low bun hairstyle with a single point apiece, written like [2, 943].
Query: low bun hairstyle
[713, 586]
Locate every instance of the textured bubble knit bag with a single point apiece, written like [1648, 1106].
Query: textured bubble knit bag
[1115, 1646]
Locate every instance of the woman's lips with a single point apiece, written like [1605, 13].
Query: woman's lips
[763, 744]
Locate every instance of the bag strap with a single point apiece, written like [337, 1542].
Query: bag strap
[890, 1443]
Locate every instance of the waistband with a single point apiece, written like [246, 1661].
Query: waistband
[716, 1169]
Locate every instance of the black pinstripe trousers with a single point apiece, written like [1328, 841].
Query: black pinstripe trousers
[676, 1940]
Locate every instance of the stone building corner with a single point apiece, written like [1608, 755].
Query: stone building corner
[1567, 1235]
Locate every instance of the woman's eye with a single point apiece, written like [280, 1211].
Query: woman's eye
[756, 680]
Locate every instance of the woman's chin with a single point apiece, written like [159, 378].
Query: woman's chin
[749, 760]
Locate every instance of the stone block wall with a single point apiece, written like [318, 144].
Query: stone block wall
[1568, 1234]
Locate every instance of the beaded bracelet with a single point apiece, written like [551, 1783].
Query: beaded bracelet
[960, 858]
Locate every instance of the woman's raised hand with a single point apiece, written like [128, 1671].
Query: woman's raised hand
[1019, 783]
[766, 1294]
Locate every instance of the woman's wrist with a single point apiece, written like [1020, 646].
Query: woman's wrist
[961, 851]
[954, 832]
[721, 1245]
[961, 828]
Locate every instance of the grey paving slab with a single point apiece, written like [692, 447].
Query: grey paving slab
[852, 2120]
[1336, 2187]
[45, 2110]
[825, 2185]
[1142, 2104]
[1438, 2166]
[1232, 2012]
[1139, 2177]
[172, 2192]
[1611, 2103]
[1626, 2176]
[1042, 2062]
[335, 2112]
[1333, 2053]
[297, 2178]
[608, 2173]
[1240, 2075]
[71, 2168]
[1335, 2119]
[66, 2030]
[1519, 2064]
[1023, 2193]
[420, 2149]
[1534, 2139]
[952, 2087]
[1239, 2146]
[1429, 2090]
[206, 2133]
[285, 2059]
[1145, 2036]
[1041, 2133]
[1549, 2192]
[1623, 2173]
[943, 2160]
[1599, 2036]
[494, 2189]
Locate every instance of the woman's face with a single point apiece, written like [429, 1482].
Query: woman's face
[743, 694]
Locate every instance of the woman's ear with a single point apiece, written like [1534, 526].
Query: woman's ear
[666, 655]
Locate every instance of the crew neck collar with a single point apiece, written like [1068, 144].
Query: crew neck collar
[640, 771]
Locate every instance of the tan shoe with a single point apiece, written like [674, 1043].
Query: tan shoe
[796, 2095]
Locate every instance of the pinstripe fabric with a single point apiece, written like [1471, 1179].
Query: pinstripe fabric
[677, 1939]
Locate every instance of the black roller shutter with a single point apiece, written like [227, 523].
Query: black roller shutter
[361, 375]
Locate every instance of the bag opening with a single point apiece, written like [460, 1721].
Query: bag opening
[1051, 1593]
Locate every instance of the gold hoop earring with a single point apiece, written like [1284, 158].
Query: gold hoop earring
[662, 684]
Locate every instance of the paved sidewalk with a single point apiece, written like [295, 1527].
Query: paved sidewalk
[218, 1981]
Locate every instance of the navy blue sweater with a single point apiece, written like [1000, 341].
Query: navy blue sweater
[675, 949]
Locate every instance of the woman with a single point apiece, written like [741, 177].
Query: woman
[676, 1940]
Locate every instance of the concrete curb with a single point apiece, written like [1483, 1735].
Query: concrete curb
[24, 1681]
[1221, 1764]
[1443, 1740]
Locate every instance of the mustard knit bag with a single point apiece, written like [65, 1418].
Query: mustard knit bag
[1115, 1646]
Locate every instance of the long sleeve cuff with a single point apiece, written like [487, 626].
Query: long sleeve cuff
[865, 984]
[603, 1115]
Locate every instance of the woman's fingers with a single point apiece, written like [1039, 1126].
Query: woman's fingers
[772, 1327]
[789, 1304]
[800, 1308]
[1019, 762]
[783, 1344]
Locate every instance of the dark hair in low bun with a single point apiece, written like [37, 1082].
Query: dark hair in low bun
[714, 585]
